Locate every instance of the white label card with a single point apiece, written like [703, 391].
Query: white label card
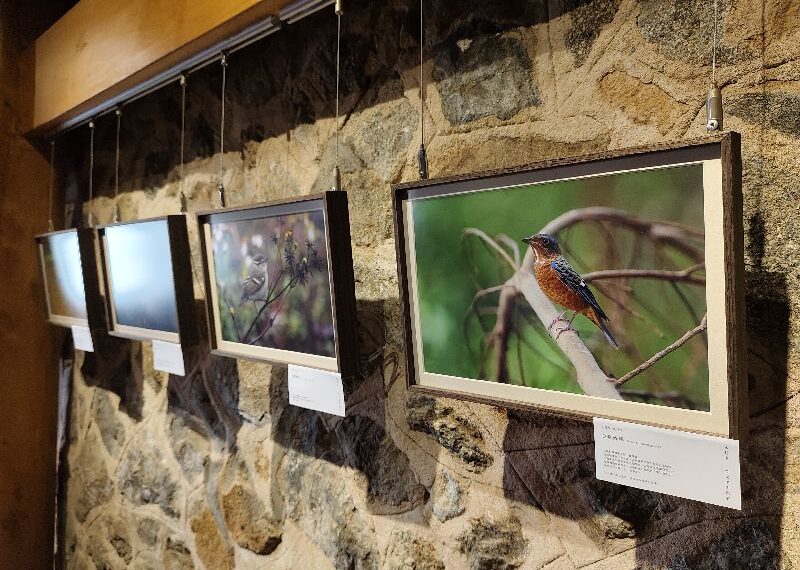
[168, 357]
[82, 338]
[689, 465]
[316, 390]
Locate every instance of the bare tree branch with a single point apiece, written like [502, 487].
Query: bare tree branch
[491, 243]
[232, 313]
[676, 235]
[512, 245]
[500, 333]
[267, 302]
[662, 353]
[675, 399]
[684, 276]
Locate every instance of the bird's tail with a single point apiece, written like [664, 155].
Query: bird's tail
[601, 323]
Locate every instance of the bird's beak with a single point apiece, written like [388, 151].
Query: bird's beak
[527, 240]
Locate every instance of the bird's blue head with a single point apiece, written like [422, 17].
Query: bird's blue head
[259, 259]
[543, 244]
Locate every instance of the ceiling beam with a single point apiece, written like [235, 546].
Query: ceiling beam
[103, 53]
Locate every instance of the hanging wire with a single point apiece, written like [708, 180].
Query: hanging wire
[183, 141]
[90, 220]
[337, 178]
[116, 167]
[422, 157]
[714, 44]
[221, 187]
[50, 226]
[714, 110]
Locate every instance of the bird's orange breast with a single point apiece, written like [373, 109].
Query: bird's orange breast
[555, 289]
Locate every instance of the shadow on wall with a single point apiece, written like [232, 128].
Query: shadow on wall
[116, 366]
[359, 441]
[549, 463]
[207, 398]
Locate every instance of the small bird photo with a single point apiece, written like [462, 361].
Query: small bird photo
[273, 284]
[617, 262]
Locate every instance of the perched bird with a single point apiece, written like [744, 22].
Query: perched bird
[562, 284]
[256, 279]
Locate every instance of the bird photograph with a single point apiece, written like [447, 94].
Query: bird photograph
[272, 282]
[512, 282]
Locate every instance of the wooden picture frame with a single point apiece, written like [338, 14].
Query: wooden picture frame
[171, 277]
[714, 161]
[333, 208]
[86, 259]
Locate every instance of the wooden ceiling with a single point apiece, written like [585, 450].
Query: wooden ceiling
[103, 48]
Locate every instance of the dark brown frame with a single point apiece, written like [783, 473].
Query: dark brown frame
[726, 147]
[180, 255]
[95, 313]
[340, 268]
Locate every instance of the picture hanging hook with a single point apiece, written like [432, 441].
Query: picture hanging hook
[422, 157]
[118, 113]
[50, 226]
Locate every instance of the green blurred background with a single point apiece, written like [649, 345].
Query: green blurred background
[646, 315]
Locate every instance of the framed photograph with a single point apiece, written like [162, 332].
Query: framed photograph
[279, 282]
[68, 264]
[148, 280]
[607, 285]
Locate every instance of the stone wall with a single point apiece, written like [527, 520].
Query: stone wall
[216, 471]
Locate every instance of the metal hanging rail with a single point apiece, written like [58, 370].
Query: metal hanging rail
[253, 33]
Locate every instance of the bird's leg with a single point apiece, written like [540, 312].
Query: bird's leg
[559, 318]
[569, 325]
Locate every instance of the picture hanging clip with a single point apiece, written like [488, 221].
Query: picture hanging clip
[422, 158]
[714, 112]
[221, 193]
[337, 178]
